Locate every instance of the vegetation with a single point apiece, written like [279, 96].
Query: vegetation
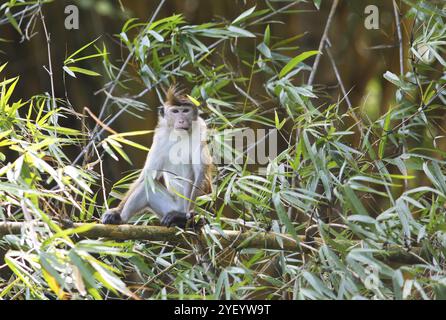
[350, 185]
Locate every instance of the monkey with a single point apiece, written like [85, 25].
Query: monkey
[177, 169]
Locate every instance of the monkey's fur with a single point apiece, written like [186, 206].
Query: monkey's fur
[165, 176]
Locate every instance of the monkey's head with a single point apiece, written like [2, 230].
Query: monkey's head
[178, 112]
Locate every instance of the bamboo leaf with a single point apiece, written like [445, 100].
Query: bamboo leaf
[295, 61]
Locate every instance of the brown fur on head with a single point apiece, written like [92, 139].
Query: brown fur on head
[177, 112]
[174, 97]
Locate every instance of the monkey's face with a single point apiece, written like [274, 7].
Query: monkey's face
[180, 117]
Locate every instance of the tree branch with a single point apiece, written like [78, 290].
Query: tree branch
[322, 43]
[50, 64]
[228, 238]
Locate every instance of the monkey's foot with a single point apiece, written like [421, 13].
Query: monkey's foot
[174, 218]
[66, 223]
[197, 225]
[111, 217]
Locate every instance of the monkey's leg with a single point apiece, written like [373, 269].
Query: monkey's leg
[112, 216]
[159, 201]
[175, 218]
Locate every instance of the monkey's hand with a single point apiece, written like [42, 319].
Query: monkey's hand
[112, 216]
[174, 218]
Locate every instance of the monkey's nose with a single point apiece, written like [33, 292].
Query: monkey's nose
[182, 124]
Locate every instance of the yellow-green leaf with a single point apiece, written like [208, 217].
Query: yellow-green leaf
[295, 61]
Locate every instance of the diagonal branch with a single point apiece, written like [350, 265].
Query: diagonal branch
[323, 42]
[401, 52]
[50, 64]
[400, 36]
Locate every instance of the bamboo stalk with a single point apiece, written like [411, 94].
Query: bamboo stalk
[234, 239]
[156, 233]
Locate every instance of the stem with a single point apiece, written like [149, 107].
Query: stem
[400, 44]
[322, 43]
[50, 65]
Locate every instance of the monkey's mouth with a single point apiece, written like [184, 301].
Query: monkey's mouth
[185, 128]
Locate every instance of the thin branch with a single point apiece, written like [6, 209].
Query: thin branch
[400, 44]
[400, 36]
[102, 177]
[341, 85]
[323, 42]
[339, 79]
[275, 12]
[23, 12]
[50, 65]
[99, 122]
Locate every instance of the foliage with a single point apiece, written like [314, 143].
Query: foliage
[360, 186]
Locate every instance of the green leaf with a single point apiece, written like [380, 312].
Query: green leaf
[12, 21]
[385, 134]
[67, 60]
[267, 35]
[67, 70]
[156, 35]
[3, 66]
[279, 124]
[295, 61]
[392, 77]
[194, 101]
[317, 3]
[244, 15]
[283, 217]
[241, 32]
[263, 48]
[84, 71]
[353, 199]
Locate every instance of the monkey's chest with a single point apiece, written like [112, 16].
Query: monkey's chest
[178, 177]
[178, 165]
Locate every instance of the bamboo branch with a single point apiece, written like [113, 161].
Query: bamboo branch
[157, 233]
[396, 12]
[50, 64]
[341, 85]
[323, 40]
[228, 238]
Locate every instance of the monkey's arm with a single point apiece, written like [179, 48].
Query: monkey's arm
[113, 216]
[150, 167]
[202, 177]
[130, 191]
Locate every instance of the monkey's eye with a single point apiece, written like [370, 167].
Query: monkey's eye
[186, 110]
[175, 110]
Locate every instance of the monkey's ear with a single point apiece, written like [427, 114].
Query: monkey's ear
[161, 111]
